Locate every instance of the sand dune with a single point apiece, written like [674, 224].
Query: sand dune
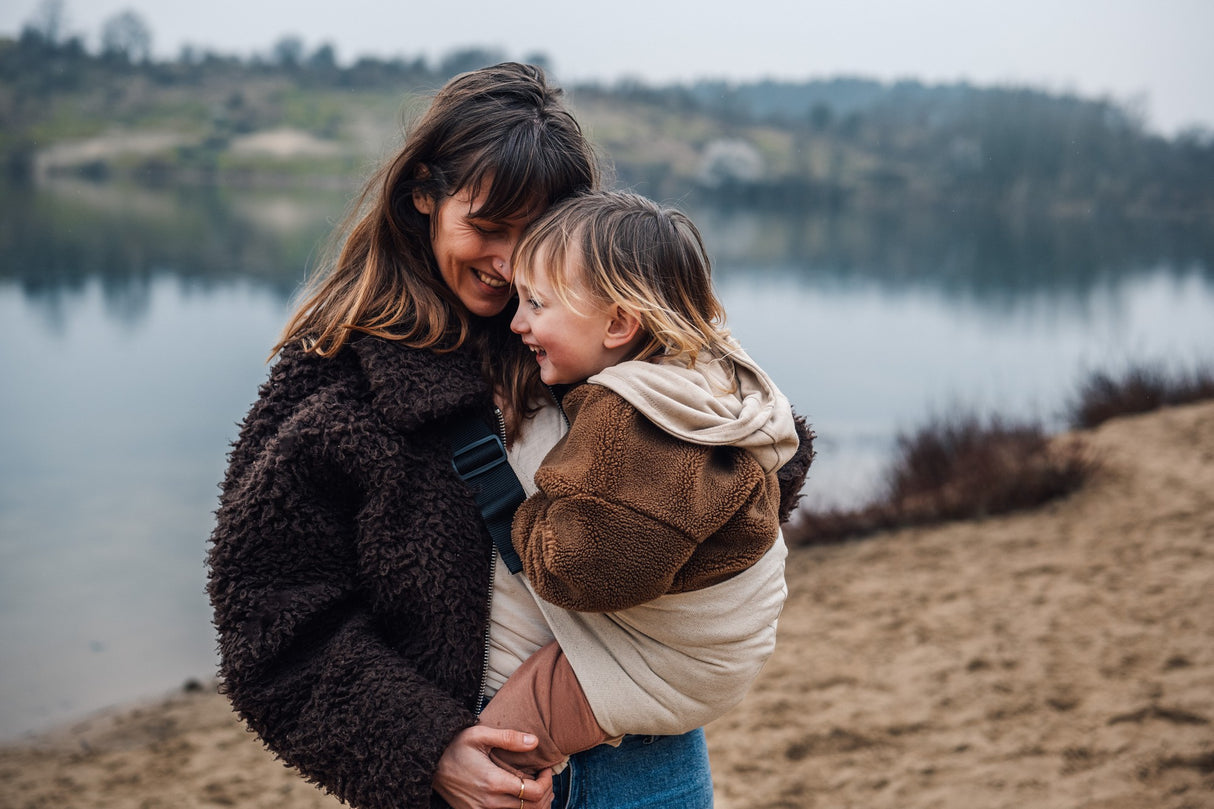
[1062, 657]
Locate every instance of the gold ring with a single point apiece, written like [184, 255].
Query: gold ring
[522, 787]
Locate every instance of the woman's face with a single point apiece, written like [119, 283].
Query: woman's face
[473, 254]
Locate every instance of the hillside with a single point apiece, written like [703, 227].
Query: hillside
[1059, 659]
[829, 143]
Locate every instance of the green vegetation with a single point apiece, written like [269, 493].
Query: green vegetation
[847, 143]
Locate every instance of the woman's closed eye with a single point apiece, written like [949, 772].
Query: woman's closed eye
[489, 230]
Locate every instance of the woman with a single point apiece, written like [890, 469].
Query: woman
[349, 567]
[363, 614]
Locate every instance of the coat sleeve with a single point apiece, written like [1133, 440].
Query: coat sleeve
[303, 659]
[622, 506]
[792, 475]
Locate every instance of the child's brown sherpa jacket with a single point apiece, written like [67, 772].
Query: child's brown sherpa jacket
[665, 483]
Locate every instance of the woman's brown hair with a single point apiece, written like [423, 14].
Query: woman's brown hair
[503, 130]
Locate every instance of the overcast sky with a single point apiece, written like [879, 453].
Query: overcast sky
[1157, 54]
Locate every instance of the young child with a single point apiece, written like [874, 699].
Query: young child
[666, 481]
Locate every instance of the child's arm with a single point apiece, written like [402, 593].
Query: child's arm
[623, 506]
[543, 697]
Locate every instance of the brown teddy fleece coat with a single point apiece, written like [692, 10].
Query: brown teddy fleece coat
[349, 569]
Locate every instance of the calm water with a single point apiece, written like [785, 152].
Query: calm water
[134, 325]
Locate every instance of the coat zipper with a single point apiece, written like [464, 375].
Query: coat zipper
[557, 401]
[480, 700]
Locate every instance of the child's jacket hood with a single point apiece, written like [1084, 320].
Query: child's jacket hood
[724, 400]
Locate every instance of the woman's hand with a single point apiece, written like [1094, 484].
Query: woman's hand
[467, 779]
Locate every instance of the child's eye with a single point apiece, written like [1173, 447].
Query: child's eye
[533, 304]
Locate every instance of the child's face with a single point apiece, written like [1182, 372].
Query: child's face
[569, 344]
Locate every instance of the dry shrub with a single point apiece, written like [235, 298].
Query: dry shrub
[958, 468]
[1139, 389]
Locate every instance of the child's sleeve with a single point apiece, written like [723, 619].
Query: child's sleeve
[543, 697]
[622, 506]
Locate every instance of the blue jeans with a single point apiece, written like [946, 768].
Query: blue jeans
[644, 772]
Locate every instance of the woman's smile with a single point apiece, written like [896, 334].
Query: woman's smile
[491, 281]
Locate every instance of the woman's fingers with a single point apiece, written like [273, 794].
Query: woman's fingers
[531, 793]
[505, 739]
[538, 792]
[468, 779]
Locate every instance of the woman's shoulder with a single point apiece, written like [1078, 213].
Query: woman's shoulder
[300, 371]
[299, 376]
[414, 387]
[370, 376]
[296, 381]
[373, 362]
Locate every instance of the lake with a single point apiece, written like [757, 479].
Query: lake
[135, 323]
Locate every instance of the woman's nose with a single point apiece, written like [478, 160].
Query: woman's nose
[502, 267]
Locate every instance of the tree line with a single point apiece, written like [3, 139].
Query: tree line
[837, 142]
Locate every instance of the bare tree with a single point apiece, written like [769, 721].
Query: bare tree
[288, 51]
[126, 36]
[49, 22]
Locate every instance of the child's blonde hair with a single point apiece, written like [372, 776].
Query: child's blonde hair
[647, 258]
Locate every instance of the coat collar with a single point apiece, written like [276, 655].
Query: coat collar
[414, 387]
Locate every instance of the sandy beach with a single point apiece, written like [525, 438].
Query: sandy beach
[1062, 657]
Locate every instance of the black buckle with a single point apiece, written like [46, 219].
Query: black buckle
[479, 457]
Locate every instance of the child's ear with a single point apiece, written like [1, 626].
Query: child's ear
[622, 328]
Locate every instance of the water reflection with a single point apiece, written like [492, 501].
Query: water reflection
[55, 237]
[113, 439]
[134, 323]
[962, 254]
